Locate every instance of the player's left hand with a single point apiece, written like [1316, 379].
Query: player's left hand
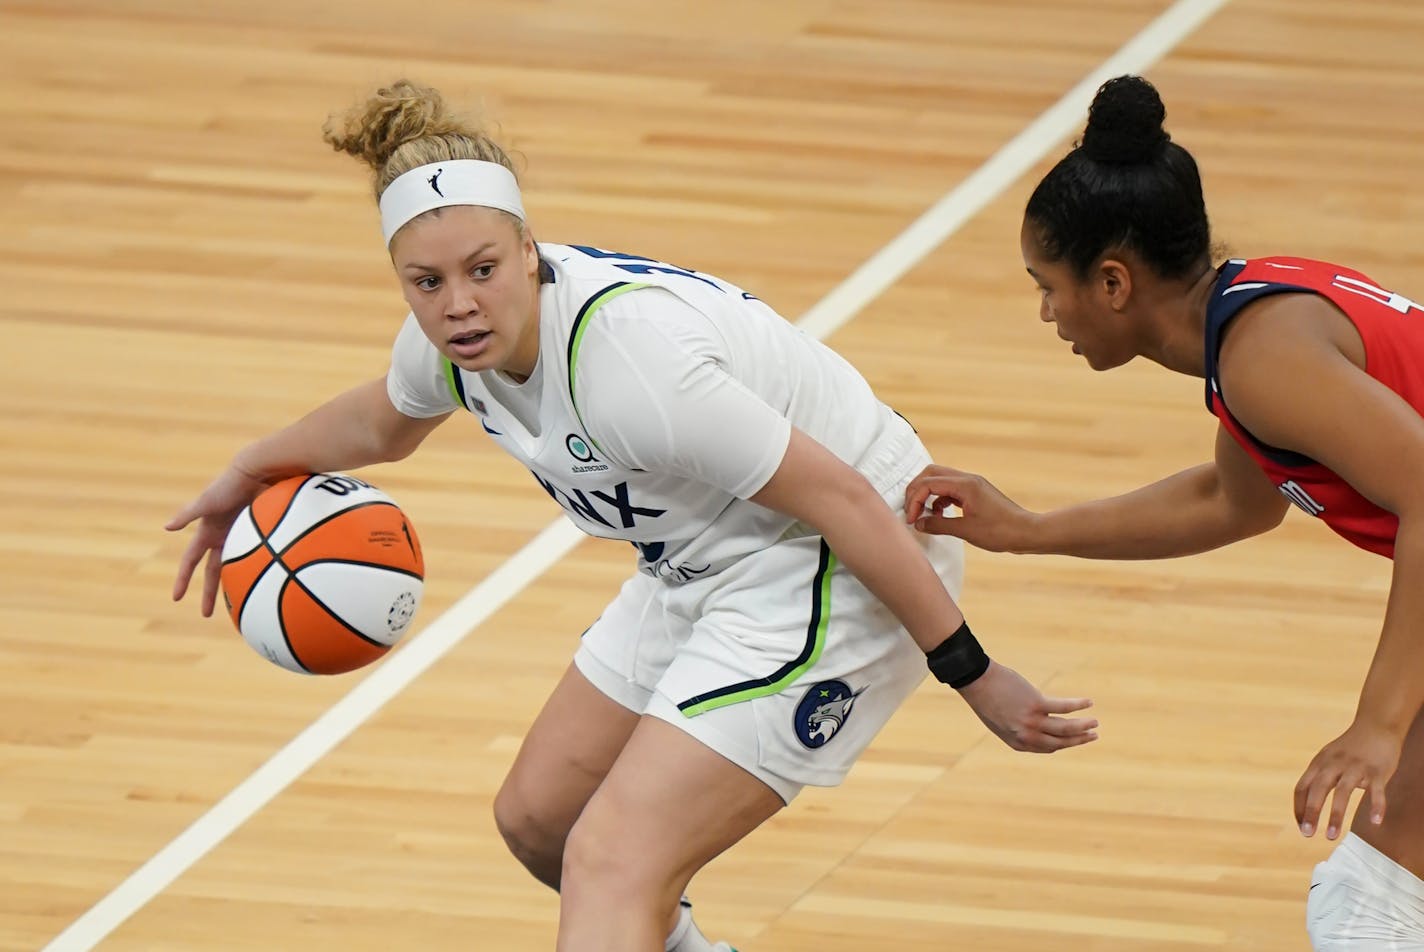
[1362, 758]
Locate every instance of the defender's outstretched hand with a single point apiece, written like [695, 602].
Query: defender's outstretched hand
[989, 519]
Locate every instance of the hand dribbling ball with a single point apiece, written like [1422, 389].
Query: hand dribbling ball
[322, 573]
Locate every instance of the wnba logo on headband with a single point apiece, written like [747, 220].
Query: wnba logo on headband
[460, 182]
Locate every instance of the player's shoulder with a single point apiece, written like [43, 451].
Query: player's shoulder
[1281, 334]
[1264, 288]
[411, 342]
[1285, 270]
[584, 283]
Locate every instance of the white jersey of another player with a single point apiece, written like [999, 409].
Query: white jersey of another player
[661, 400]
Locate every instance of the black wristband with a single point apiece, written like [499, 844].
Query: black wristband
[958, 661]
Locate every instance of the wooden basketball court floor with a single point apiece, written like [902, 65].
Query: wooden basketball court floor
[184, 266]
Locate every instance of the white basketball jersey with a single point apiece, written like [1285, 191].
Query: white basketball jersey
[682, 527]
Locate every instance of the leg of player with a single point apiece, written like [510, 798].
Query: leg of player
[565, 756]
[1368, 896]
[668, 806]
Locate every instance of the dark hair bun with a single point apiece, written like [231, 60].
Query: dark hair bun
[1125, 122]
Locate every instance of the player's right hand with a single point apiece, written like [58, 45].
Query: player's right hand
[988, 519]
[215, 510]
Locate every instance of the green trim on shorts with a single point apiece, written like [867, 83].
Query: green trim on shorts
[779, 680]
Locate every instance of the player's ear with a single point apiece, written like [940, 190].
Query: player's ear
[1115, 281]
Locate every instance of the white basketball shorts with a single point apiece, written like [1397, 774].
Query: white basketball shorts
[1363, 901]
[783, 663]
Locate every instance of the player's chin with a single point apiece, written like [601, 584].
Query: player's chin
[1099, 360]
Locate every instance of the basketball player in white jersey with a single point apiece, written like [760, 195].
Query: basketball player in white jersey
[781, 610]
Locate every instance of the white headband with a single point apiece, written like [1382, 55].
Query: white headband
[461, 182]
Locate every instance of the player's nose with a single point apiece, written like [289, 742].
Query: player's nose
[462, 300]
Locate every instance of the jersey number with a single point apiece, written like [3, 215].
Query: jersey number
[1389, 299]
[637, 264]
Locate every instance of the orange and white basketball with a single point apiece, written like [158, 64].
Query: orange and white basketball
[322, 573]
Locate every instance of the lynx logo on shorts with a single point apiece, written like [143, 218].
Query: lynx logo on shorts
[823, 710]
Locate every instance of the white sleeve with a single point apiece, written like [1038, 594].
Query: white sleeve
[653, 389]
[416, 381]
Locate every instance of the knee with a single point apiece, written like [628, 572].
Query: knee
[588, 854]
[600, 860]
[535, 839]
[1336, 908]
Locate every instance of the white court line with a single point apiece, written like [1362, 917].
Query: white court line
[558, 538]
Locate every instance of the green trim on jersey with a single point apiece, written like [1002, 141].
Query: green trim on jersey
[590, 307]
[783, 677]
[453, 381]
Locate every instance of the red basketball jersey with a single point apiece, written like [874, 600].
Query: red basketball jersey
[1392, 328]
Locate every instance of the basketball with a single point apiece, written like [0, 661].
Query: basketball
[322, 574]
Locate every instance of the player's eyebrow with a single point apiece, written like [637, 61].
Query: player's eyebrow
[413, 266]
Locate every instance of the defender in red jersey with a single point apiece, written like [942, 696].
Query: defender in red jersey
[1391, 351]
[1316, 374]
